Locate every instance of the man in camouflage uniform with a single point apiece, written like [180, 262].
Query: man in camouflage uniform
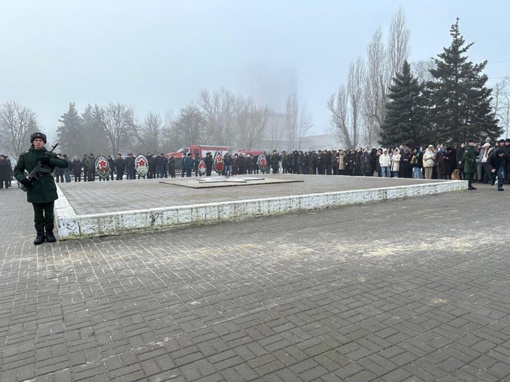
[41, 193]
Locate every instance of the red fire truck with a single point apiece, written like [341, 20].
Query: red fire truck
[252, 153]
[201, 150]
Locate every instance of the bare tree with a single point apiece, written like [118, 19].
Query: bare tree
[219, 111]
[188, 128]
[338, 105]
[375, 89]
[117, 121]
[149, 133]
[501, 103]
[355, 81]
[304, 124]
[346, 106]
[383, 62]
[276, 129]
[251, 122]
[16, 124]
[505, 115]
[398, 45]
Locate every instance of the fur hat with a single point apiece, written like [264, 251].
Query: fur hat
[38, 135]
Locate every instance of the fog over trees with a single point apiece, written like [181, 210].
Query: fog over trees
[366, 110]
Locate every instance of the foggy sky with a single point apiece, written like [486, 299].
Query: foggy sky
[158, 55]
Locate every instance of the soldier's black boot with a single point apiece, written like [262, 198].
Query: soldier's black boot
[39, 239]
[470, 185]
[50, 238]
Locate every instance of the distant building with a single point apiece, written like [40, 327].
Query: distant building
[268, 86]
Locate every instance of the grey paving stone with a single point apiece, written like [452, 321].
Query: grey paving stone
[312, 296]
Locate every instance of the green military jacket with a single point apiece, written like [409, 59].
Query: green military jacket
[470, 154]
[43, 190]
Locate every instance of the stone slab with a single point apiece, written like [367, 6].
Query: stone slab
[221, 181]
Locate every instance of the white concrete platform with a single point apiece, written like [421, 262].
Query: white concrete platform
[117, 221]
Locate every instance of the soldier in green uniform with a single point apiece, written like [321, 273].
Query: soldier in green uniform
[41, 193]
[470, 155]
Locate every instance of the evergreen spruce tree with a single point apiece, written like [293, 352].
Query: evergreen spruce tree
[403, 124]
[70, 134]
[459, 101]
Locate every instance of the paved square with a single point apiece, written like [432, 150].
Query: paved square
[405, 290]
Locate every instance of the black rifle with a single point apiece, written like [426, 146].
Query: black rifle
[34, 174]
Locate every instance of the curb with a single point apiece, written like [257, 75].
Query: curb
[73, 226]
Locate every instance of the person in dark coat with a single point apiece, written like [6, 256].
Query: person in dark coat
[85, 168]
[130, 166]
[507, 172]
[320, 162]
[328, 168]
[366, 164]
[358, 162]
[275, 162]
[111, 164]
[187, 165]
[227, 161]
[235, 164]
[451, 161]
[59, 172]
[196, 163]
[42, 193]
[76, 166]
[441, 164]
[90, 164]
[120, 167]
[171, 166]
[241, 164]
[5, 172]
[460, 159]
[160, 161]
[498, 161]
[208, 161]
[406, 169]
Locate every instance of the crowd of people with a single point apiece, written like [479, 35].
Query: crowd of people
[431, 162]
